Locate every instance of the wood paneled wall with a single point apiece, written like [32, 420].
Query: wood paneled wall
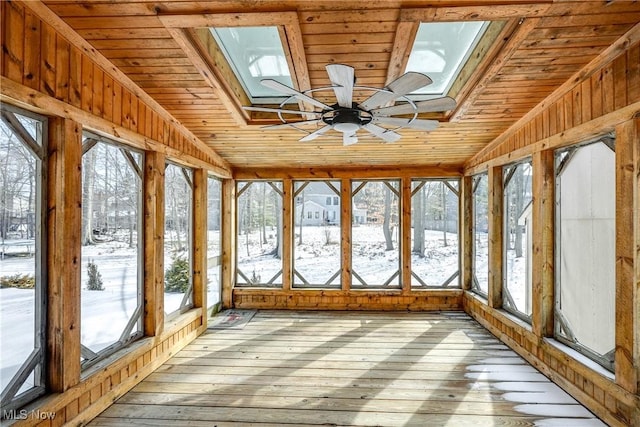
[348, 300]
[605, 99]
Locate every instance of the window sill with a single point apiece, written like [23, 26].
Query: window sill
[580, 358]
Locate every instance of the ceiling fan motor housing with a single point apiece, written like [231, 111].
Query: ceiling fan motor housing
[347, 120]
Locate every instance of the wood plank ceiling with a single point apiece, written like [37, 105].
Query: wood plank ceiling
[540, 46]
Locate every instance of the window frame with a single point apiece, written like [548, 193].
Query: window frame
[422, 94]
[475, 285]
[357, 282]
[238, 272]
[187, 301]
[211, 177]
[298, 186]
[36, 362]
[123, 342]
[607, 360]
[236, 67]
[454, 281]
[507, 172]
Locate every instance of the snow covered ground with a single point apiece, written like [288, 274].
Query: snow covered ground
[316, 261]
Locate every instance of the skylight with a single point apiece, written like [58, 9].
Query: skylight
[440, 51]
[255, 53]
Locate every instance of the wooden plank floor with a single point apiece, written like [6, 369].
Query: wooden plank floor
[351, 369]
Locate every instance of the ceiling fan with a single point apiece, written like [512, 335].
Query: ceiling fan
[371, 115]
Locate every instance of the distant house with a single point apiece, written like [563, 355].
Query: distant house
[359, 215]
[312, 214]
[322, 206]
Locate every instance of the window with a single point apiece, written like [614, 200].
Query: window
[22, 290]
[316, 246]
[214, 250]
[435, 251]
[516, 291]
[375, 252]
[480, 280]
[178, 205]
[440, 50]
[585, 249]
[255, 53]
[259, 242]
[111, 294]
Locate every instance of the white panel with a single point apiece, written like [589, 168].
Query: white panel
[587, 246]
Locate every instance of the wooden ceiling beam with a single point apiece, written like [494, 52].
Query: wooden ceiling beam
[475, 13]
[440, 171]
[240, 19]
[402, 44]
[518, 33]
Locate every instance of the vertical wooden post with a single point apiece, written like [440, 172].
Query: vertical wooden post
[199, 266]
[496, 243]
[627, 357]
[153, 226]
[465, 228]
[405, 237]
[287, 233]
[345, 231]
[64, 222]
[228, 225]
[543, 243]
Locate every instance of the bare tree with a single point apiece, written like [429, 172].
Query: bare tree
[88, 188]
[277, 208]
[301, 218]
[518, 207]
[418, 224]
[263, 228]
[245, 215]
[386, 224]
[421, 208]
[443, 191]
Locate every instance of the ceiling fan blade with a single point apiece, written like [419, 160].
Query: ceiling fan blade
[291, 124]
[380, 132]
[408, 123]
[315, 134]
[401, 86]
[349, 139]
[439, 104]
[280, 87]
[279, 110]
[343, 78]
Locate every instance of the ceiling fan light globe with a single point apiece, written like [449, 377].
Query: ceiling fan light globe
[349, 128]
